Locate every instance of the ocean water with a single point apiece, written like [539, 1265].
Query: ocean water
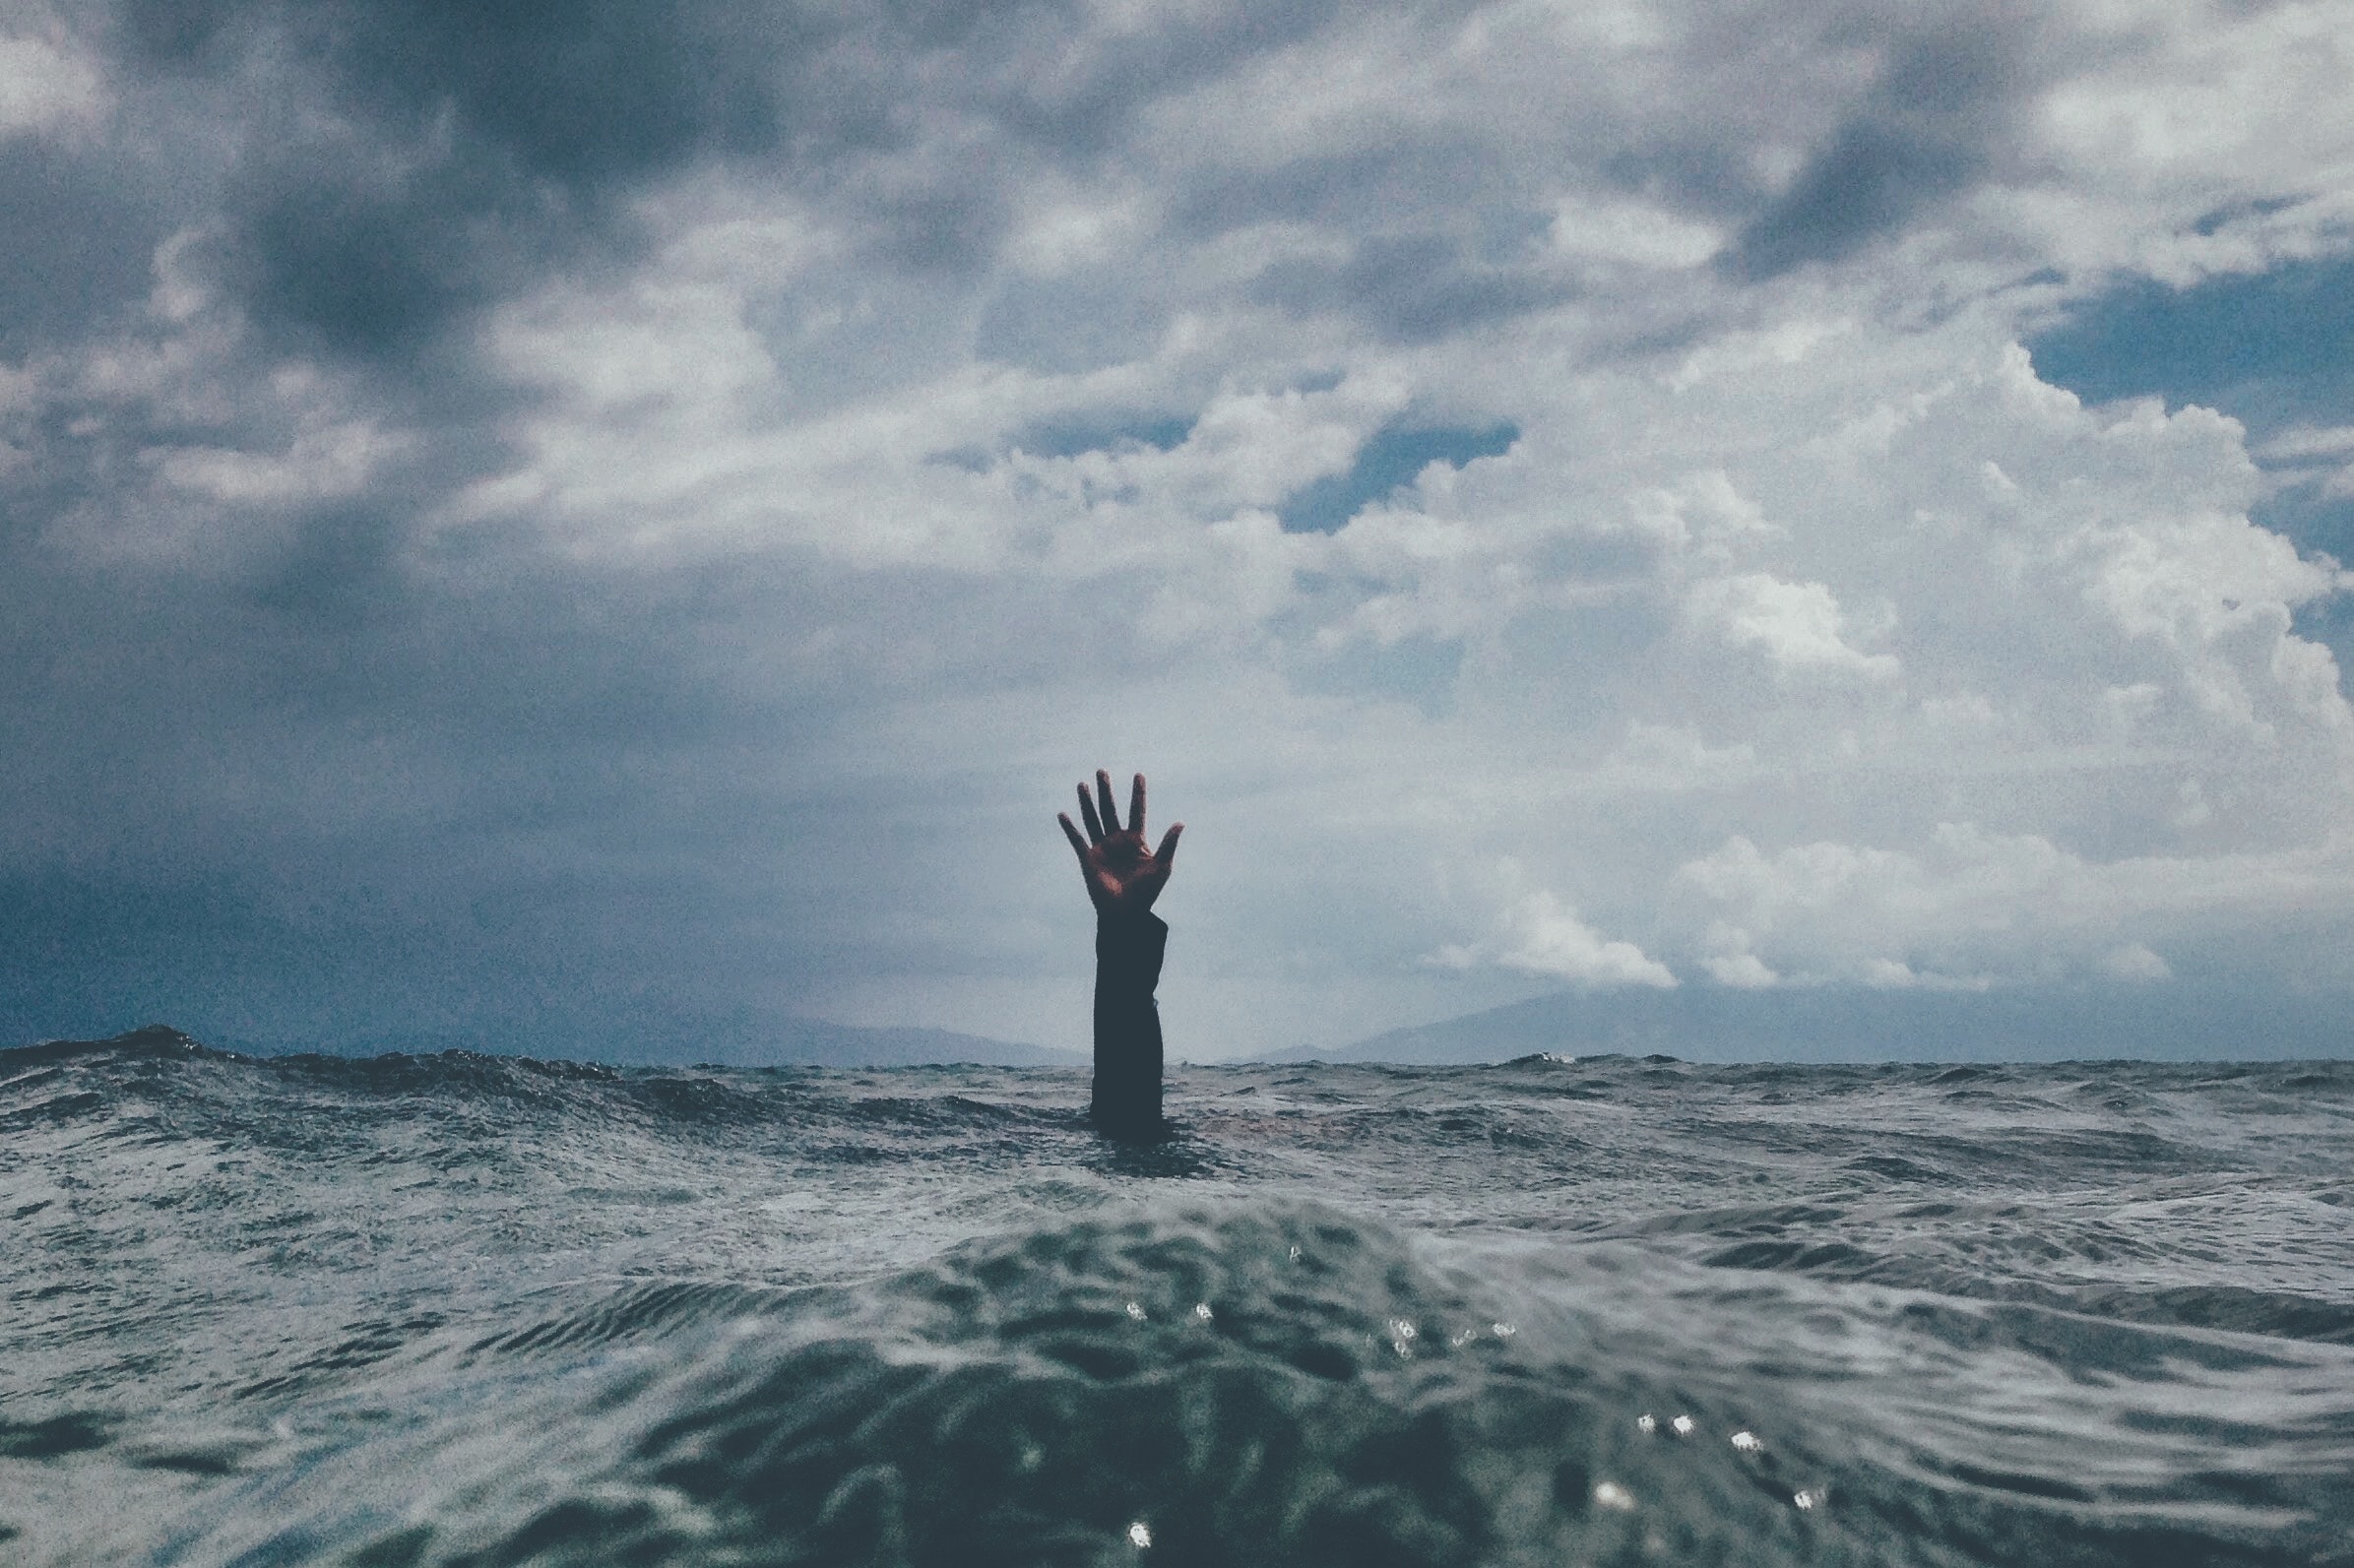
[463, 1309]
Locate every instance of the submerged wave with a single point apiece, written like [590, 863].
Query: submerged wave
[473, 1310]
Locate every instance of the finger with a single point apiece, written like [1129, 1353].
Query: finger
[1136, 806]
[1167, 853]
[1103, 790]
[1095, 828]
[1078, 843]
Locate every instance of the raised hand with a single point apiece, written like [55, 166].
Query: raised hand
[1121, 878]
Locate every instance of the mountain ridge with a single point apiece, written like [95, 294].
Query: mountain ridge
[1723, 1023]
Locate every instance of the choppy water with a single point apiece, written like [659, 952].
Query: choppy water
[472, 1310]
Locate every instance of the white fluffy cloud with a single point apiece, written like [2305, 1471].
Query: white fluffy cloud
[1796, 625]
[1537, 935]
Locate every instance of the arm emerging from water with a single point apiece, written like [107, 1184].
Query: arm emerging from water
[1123, 880]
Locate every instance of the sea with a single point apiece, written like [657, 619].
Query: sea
[469, 1309]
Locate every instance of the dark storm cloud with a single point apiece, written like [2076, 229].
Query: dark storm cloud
[279, 806]
[576, 93]
[464, 149]
[1409, 287]
[342, 567]
[1083, 103]
[318, 764]
[1935, 121]
[469, 150]
[409, 163]
[370, 783]
[80, 230]
[378, 269]
[1340, 186]
[1068, 325]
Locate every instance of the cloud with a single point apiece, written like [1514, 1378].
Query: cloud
[2306, 442]
[1741, 971]
[47, 86]
[1971, 908]
[1550, 940]
[2134, 962]
[1411, 287]
[1796, 625]
[1660, 758]
[566, 507]
[320, 463]
[1537, 934]
[1628, 232]
[1934, 120]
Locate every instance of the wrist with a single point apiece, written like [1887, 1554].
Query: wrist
[1119, 917]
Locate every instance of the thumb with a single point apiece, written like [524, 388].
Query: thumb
[1168, 851]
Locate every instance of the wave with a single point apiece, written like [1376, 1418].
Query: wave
[464, 1309]
[1243, 1384]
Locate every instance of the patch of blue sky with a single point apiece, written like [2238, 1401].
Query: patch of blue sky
[2273, 349]
[1392, 459]
[2317, 522]
[1068, 438]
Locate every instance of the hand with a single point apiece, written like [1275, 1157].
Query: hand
[1121, 879]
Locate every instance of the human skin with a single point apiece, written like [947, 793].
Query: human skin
[1123, 880]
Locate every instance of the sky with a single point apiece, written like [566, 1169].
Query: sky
[606, 517]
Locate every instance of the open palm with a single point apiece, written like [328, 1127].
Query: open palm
[1122, 878]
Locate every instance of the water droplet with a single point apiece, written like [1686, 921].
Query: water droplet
[1746, 1442]
[1646, 1424]
[1140, 1534]
[1609, 1494]
[1136, 1312]
[1201, 1310]
[1682, 1425]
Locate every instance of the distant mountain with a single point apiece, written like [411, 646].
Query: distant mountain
[1703, 1022]
[732, 1042]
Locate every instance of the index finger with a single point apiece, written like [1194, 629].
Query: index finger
[1136, 807]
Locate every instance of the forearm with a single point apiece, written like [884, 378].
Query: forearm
[1128, 1023]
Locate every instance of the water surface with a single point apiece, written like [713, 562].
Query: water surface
[464, 1309]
